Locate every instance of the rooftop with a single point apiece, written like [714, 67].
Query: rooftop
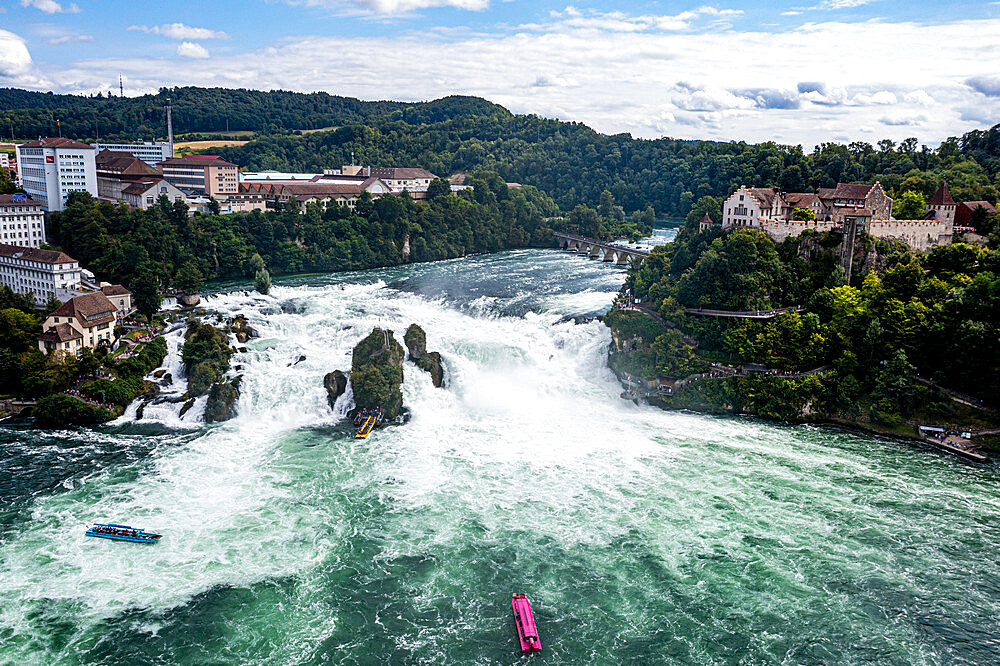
[401, 173]
[851, 191]
[123, 164]
[115, 290]
[55, 142]
[34, 254]
[60, 333]
[7, 199]
[197, 160]
[88, 307]
[942, 197]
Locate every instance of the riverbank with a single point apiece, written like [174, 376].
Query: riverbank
[640, 347]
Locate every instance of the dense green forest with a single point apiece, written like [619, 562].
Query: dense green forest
[569, 161]
[204, 110]
[127, 246]
[935, 315]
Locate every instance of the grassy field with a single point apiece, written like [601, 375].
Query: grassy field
[204, 145]
[322, 129]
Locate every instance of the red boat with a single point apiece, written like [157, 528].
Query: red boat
[527, 633]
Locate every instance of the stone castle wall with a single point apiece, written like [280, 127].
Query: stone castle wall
[779, 230]
[920, 235]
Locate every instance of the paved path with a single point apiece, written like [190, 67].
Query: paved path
[959, 397]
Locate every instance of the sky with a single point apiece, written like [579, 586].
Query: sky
[798, 72]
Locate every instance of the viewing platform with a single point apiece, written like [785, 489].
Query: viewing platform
[593, 248]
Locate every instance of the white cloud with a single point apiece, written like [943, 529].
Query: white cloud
[572, 17]
[191, 50]
[718, 83]
[16, 65]
[844, 4]
[181, 31]
[65, 39]
[51, 6]
[880, 97]
[903, 121]
[393, 7]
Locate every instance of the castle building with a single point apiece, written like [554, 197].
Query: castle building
[842, 208]
[941, 206]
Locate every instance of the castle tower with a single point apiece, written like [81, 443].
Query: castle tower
[941, 206]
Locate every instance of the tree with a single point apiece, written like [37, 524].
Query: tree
[704, 206]
[146, 293]
[803, 215]
[438, 188]
[262, 281]
[213, 206]
[6, 186]
[18, 330]
[256, 263]
[909, 205]
[188, 278]
[585, 222]
[607, 205]
[51, 305]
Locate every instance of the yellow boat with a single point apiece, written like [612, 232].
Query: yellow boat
[366, 428]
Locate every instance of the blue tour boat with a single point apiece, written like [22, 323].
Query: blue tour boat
[122, 533]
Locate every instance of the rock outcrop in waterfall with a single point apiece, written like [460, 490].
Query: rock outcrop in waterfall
[416, 342]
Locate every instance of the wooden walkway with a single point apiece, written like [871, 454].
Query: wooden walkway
[751, 314]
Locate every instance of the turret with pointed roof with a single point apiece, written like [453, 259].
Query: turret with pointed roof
[941, 206]
[942, 197]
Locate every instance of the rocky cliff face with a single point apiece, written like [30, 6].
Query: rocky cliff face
[335, 384]
[416, 342]
[222, 397]
[377, 373]
[206, 354]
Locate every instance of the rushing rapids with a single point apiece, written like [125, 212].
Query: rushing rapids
[642, 536]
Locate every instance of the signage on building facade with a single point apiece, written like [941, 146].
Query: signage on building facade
[19, 198]
[49, 159]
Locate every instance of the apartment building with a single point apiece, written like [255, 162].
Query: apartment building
[53, 168]
[22, 221]
[209, 175]
[43, 273]
[150, 152]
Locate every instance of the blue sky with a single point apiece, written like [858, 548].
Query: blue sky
[795, 72]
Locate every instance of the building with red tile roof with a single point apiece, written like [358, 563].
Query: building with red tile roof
[91, 315]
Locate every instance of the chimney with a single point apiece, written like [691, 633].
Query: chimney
[170, 129]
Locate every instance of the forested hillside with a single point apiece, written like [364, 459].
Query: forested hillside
[569, 161]
[934, 316]
[574, 164]
[205, 110]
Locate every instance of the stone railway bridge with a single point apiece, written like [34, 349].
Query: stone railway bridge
[595, 249]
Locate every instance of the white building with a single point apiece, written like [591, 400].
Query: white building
[44, 273]
[53, 168]
[86, 320]
[150, 152]
[22, 221]
[143, 194]
[9, 163]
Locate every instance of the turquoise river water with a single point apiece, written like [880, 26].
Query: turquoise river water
[641, 536]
